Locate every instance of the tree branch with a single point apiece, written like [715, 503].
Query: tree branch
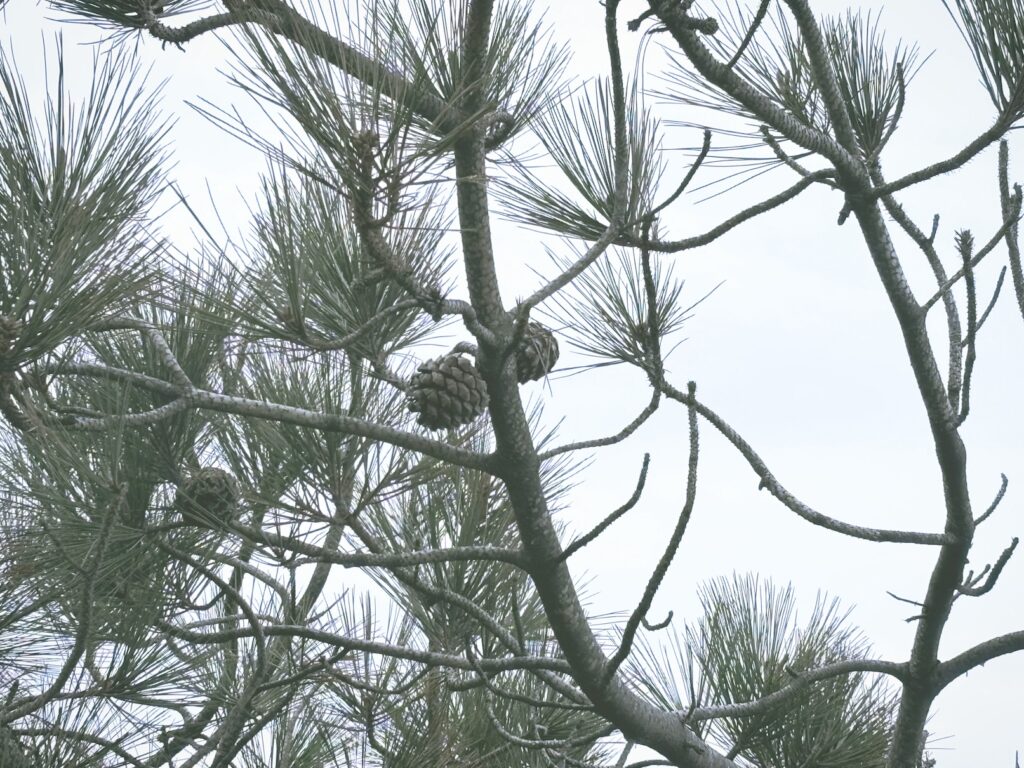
[601, 527]
[278, 18]
[618, 437]
[696, 241]
[980, 654]
[1010, 206]
[654, 583]
[791, 502]
[802, 681]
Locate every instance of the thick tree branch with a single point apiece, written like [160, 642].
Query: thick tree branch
[927, 245]
[278, 18]
[672, 15]
[979, 655]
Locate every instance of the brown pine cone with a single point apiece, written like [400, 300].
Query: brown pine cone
[447, 392]
[207, 498]
[537, 354]
[10, 330]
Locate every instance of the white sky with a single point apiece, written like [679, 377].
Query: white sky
[798, 350]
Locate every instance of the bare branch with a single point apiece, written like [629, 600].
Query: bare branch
[995, 502]
[961, 158]
[977, 656]
[696, 241]
[1008, 223]
[762, 11]
[654, 583]
[991, 302]
[618, 437]
[927, 245]
[778, 490]
[601, 527]
[784, 156]
[975, 590]
[694, 167]
[1010, 206]
[964, 244]
[802, 681]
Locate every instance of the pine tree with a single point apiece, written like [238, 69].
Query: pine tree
[194, 447]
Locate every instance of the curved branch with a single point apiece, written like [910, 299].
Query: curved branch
[973, 590]
[961, 158]
[803, 679]
[1012, 243]
[779, 491]
[618, 437]
[1004, 482]
[383, 560]
[600, 528]
[639, 614]
[732, 222]
[505, 664]
[977, 656]
[280, 19]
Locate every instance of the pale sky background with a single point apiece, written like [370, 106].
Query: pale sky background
[798, 350]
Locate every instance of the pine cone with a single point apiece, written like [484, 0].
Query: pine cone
[207, 498]
[10, 330]
[537, 354]
[447, 392]
[288, 320]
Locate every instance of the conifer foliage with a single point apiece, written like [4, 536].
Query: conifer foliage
[251, 518]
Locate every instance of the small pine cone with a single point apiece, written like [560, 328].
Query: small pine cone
[537, 354]
[207, 498]
[286, 317]
[447, 392]
[10, 330]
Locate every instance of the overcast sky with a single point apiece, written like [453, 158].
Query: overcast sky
[798, 350]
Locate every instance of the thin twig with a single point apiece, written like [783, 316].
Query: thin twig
[803, 679]
[992, 301]
[654, 583]
[995, 502]
[618, 437]
[993, 574]
[1012, 243]
[965, 243]
[1008, 222]
[762, 11]
[696, 241]
[601, 527]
